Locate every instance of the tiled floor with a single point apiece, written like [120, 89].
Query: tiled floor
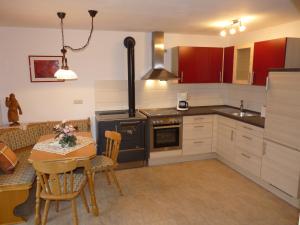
[200, 192]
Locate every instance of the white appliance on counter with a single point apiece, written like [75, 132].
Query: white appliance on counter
[281, 154]
[182, 103]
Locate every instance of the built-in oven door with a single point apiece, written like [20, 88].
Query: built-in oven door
[166, 137]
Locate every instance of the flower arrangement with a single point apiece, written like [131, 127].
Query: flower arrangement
[65, 134]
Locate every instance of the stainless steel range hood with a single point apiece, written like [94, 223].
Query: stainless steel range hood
[158, 72]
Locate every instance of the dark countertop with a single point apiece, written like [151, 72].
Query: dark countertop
[224, 110]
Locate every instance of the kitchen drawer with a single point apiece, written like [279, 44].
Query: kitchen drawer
[197, 119]
[248, 162]
[250, 143]
[199, 146]
[226, 121]
[254, 130]
[281, 168]
[195, 131]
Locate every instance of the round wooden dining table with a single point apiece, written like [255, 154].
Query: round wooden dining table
[82, 156]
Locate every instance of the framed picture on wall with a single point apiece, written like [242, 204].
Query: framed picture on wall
[43, 68]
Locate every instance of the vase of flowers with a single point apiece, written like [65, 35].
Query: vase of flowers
[65, 134]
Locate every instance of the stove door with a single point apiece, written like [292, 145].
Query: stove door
[133, 134]
[166, 137]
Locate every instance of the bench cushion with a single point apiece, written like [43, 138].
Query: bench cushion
[24, 173]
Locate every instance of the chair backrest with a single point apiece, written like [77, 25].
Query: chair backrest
[112, 147]
[56, 177]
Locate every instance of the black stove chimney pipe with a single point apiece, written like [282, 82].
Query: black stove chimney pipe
[129, 43]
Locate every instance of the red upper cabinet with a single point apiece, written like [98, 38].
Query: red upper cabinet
[228, 64]
[197, 64]
[215, 65]
[268, 54]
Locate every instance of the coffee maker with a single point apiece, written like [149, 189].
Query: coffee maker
[182, 103]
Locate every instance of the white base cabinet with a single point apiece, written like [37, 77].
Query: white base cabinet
[197, 134]
[281, 168]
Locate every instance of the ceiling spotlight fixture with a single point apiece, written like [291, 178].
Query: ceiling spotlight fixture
[232, 28]
[242, 27]
[223, 33]
[232, 31]
[64, 73]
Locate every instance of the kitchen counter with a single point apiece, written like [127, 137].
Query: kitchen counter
[223, 110]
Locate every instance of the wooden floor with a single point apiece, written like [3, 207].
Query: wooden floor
[200, 192]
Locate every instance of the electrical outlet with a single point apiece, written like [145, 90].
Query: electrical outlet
[78, 101]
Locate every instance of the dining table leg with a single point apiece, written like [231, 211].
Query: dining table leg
[95, 209]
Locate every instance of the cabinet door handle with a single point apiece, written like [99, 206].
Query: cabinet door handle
[264, 148]
[198, 126]
[249, 138]
[199, 118]
[181, 77]
[198, 142]
[248, 128]
[246, 156]
[231, 137]
[267, 83]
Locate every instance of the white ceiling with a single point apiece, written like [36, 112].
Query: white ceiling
[178, 16]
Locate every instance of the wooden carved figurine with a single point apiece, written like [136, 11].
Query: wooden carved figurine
[14, 110]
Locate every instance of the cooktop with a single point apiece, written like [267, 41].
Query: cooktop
[160, 112]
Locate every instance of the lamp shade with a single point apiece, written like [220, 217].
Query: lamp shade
[63, 74]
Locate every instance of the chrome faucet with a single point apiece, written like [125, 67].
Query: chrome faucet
[242, 106]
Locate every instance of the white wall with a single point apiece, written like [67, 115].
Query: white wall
[104, 59]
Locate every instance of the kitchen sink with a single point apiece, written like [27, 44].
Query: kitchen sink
[243, 114]
[236, 112]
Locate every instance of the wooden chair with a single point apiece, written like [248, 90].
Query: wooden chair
[108, 161]
[57, 182]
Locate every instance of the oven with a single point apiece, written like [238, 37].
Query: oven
[165, 134]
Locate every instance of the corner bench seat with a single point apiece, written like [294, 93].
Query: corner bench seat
[14, 188]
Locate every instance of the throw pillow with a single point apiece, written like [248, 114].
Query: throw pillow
[8, 159]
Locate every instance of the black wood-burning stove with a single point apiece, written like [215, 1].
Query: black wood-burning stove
[130, 123]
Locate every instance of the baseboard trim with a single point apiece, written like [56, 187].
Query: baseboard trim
[180, 158]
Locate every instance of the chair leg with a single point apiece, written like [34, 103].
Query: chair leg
[45, 214]
[83, 198]
[57, 206]
[37, 218]
[116, 180]
[107, 176]
[74, 209]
